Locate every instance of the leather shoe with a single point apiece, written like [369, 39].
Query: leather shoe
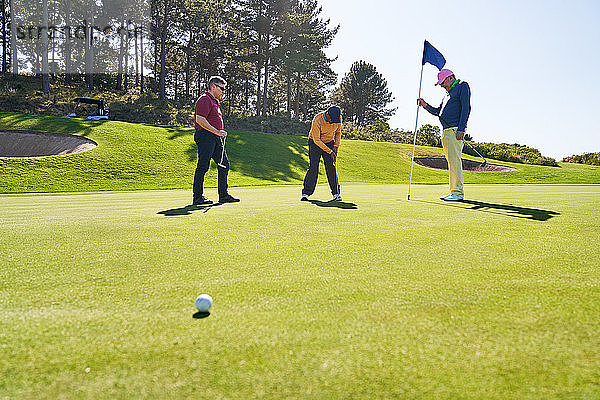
[228, 199]
[201, 201]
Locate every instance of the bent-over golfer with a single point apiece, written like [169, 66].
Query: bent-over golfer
[209, 138]
[324, 141]
[453, 114]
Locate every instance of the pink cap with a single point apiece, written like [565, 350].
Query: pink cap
[443, 74]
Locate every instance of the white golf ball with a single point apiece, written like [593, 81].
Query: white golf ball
[204, 303]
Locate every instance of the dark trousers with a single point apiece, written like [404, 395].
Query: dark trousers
[209, 146]
[310, 180]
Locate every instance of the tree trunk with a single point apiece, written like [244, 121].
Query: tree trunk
[52, 32]
[45, 69]
[163, 54]
[141, 61]
[68, 42]
[13, 39]
[89, 49]
[304, 106]
[38, 63]
[266, 83]
[188, 62]
[119, 85]
[297, 106]
[199, 84]
[230, 98]
[246, 94]
[156, 57]
[289, 94]
[259, 71]
[137, 65]
[4, 41]
[126, 69]
[176, 74]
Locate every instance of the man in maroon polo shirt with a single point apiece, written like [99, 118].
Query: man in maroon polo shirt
[209, 138]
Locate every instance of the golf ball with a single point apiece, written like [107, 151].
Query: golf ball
[204, 303]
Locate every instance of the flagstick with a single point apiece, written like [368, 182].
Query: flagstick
[415, 136]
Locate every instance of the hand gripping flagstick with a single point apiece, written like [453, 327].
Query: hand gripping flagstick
[432, 56]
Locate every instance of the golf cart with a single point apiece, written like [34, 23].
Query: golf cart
[101, 109]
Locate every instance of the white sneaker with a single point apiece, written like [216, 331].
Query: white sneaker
[452, 197]
[304, 197]
[337, 197]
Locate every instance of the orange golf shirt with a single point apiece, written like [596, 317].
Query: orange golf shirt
[322, 132]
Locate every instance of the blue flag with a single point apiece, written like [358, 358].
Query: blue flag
[432, 56]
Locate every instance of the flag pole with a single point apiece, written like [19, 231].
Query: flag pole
[415, 135]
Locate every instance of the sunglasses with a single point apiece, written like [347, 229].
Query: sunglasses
[220, 87]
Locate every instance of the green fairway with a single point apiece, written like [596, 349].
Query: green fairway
[376, 297]
[135, 156]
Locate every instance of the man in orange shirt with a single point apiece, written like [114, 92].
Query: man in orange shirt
[324, 141]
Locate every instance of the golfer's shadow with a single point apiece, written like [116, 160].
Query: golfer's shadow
[335, 204]
[503, 209]
[522, 212]
[187, 210]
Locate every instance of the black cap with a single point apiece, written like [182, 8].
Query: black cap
[334, 113]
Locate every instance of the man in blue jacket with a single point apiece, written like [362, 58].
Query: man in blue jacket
[453, 114]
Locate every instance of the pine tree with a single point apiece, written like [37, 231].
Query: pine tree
[363, 95]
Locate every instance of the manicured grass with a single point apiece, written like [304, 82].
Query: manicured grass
[135, 156]
[496, 298]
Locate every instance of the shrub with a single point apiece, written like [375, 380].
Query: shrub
[512, 153]
[379, 131]
[271, 124]
[586, 158]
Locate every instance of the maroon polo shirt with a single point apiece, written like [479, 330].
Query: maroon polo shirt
[208, 107]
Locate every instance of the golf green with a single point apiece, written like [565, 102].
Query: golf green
[496, 297]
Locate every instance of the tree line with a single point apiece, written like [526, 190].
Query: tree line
[271, 52]
[585, 158]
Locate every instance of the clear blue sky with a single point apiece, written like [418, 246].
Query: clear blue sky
[533, 66]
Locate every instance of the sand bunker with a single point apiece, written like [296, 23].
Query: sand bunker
[37, 144]
[468, 165]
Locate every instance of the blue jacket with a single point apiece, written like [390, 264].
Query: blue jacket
[457, 109]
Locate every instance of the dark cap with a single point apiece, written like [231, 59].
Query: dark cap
[334, 113]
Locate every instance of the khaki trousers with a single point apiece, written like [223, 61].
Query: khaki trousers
[452, 150]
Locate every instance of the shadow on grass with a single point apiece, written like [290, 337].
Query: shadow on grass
[270, 157]
[179, 131]
[335, 204]
[187, 210]
[200, 315]
[49, 124]
[508, 210]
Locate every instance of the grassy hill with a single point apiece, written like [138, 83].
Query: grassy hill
[137, 156]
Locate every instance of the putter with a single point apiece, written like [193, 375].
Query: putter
[220, 164]
[484, 160]
[337, 177]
